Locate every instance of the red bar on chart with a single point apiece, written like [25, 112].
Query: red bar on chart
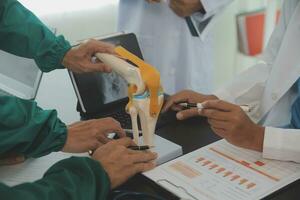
[213, 166]
[245, 163]
[199, 160]
[243, 181]
[227, 174]
[206, 163]
[259, 163]
[220, 170]
[251, 185]
[235, 177]
[185, 170]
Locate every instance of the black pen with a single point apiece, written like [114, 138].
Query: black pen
[245, 108]
[139, 148]
[136, 148]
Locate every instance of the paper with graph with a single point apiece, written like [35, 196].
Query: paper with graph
[223, 171]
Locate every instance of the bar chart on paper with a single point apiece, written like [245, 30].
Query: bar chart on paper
[223, 171]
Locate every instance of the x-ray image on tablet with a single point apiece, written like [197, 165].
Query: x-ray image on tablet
[111, 86]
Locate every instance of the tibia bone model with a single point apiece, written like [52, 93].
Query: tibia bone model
[141, 106]
[145, 92]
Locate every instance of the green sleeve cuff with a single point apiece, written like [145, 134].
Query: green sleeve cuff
[101, 174]
[75, 178]
[52, 137]
[28, 130]
[87, 176]
[51, 58]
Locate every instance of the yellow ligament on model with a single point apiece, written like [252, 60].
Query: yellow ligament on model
[150, 76]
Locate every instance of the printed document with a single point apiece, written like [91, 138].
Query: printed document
[221, 171]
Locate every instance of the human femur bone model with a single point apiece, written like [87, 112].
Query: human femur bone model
[144, 91]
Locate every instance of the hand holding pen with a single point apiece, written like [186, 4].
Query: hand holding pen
[227, 120]
[208, 107]
[231, 122]
[200, 106]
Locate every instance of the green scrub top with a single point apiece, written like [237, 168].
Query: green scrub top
[28, 130]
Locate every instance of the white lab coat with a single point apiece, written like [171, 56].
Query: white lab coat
[184, 61]
[268, 87]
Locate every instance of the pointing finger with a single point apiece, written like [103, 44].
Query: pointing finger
[219, 105]
[185, 114]
[142, 156]
[126, 141]
[143, 167]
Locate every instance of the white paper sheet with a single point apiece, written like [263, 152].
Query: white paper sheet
[223, 171]
[32, 169]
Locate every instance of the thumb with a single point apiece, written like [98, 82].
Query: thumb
[185, 114]
[98, 67]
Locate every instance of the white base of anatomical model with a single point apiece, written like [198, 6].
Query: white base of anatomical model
[165, 149]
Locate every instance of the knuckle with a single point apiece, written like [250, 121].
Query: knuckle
[234, 128]
[235, 118]
[110, 119]
[91, 42]
[85, 69]
[92, 120]
[205, 113]
[231, 128]
[139, 168]
[94, 144]
[120, 148]
[212, 112]
[208, 104]
[218, 101]
[94, 129]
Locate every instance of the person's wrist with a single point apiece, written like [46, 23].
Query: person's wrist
[66, 60]
[66, 144]
[258, 142]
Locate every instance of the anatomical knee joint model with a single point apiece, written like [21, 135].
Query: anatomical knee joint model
[144, 91]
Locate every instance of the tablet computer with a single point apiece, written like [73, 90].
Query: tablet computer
[95, 91]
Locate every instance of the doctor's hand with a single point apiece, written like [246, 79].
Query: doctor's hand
[185, 8]
[121, 163]
[79, 58]
[188, 96]
[231, 123]
[89, 135]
